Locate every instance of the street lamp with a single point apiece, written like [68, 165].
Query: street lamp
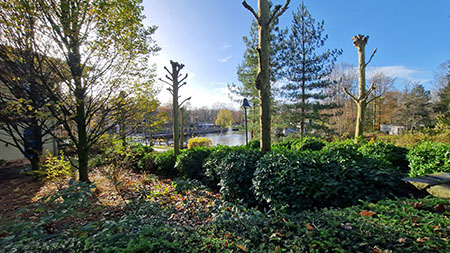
[246, 105]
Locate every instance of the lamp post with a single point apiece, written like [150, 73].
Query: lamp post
[246, 105]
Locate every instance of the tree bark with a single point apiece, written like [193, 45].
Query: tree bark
[360, 41]
[264, 20]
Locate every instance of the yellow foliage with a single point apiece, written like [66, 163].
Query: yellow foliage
[199, 142]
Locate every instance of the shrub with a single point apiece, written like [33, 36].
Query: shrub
[386, 152]
[315, 179]
[429, 157]
[254, 143]
[190, 163]
[55, 168]
[142, 157]
[212, 163]
[165, 163]
[309, 143]
[286, 144]
[199, 142]
[235, 171]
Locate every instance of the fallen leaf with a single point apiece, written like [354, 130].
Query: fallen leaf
[402, 240]
[226, 244]
[423, 239]
[284, 220]
[417, 205]
[415, 219]
[309, 227]
[228, 236]
[242, 247]
[367, 213]
[277, 248]
[376, 250]
[440, 207]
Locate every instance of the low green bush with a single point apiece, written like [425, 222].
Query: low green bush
[235, 173]
[165, 163]
[429, 157]
[254, 143]
[212, 162]
[190, 163]
[316, 179]
[309, 143]
[388, 153]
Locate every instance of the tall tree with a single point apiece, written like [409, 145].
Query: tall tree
[383, 84]
[175, 84]
[307, 70]
[224, 118]
[247, 71]
[25, 122]
[360, 41]
[102, 42]
[265, 20]
[416, 107]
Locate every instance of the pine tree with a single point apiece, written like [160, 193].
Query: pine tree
[306, 69]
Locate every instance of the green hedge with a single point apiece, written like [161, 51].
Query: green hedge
[429, 157]
[387, 153]
[165, 163]
[190, 162]
[305, 180]
[235, 172]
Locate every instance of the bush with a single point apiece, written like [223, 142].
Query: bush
[315, 179]
[55, 168]
[309, 143]
[429, 157]
[388, 153]
[212, 162]
[199, 142]
[142, 156]
[165, 163]
[190, 163]
[235, 171]
[254, 143]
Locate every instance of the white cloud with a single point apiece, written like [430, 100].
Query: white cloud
[226, 45]
[402, 72]
[223, 60]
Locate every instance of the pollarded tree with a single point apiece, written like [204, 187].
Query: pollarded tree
[265, 19]
[360, 42]
[247, 71]
[307, 70]
[102, 43]
[174, 85]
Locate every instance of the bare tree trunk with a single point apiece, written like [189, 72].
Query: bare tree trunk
[360, 41]
[265, 20]
[175, 85]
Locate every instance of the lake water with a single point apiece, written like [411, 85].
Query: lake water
[227, 139]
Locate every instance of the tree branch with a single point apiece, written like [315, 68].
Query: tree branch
[372, 99]
[189, 98]
[184, 78]
[168, 77]
[277, 13]
[183, 84]
[350, 95]
[160, 79]
[167, 70]
[372, 87]
[370, 59]
[248, 7]
[170, 90]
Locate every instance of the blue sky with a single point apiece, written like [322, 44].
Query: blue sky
[412, 37]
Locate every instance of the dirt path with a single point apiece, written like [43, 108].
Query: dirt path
[16, 189]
